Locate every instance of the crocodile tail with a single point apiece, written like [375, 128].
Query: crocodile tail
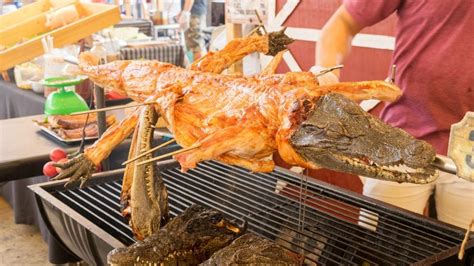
[107, 76]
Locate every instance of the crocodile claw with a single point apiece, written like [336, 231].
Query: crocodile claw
[278, 41]
[78, 168]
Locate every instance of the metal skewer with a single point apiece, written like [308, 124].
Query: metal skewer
[393, 70]
[71, 60]
[111, 108]
[254, 30]
[260, 21]
[330, 69]
[148, 152]
[168, 154]
[464, 241]
[444, 164]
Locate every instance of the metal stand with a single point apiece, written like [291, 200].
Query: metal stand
[99, 96]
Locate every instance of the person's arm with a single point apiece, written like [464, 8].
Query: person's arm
[336, 38]
[188, 4]
[185, 15]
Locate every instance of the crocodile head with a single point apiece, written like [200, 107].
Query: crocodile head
[190, 238]
[339, 135]
[144, 196]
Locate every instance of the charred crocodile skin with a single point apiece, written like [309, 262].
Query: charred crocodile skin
[250, 249]
[144, 196]
[189, 239]
[339, 135]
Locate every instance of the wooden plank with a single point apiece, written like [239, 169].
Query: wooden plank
[283, 14]
[96, 17]
[234, 31]
[291, 62]
[28, 28]
[23, 13]
[30, 11]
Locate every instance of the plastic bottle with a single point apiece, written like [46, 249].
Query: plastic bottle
[99, 50]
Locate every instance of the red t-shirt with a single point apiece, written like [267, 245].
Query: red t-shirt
[434, 54]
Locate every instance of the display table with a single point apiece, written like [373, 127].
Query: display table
[23, 152]
[15, 102]
[24, 149]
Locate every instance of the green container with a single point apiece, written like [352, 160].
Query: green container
[64, 102]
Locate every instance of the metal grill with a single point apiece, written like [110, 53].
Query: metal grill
[326, 224]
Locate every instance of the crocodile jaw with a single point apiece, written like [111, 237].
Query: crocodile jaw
[146, 199]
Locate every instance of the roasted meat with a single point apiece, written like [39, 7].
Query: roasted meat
[71, 126]
[189, 239]
[71, 121]
[91, 130]
[244, 120]
[250, 249]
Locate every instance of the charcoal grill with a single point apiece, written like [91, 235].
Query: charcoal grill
[325, 224]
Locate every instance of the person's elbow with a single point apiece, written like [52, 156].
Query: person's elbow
[341, 24]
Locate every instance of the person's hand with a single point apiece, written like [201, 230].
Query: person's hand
[184, 19]
[325, 79]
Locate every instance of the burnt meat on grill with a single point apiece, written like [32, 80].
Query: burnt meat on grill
[189, 239]
[250, 249]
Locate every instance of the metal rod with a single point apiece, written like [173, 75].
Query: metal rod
[168, 155]
[393, 71]
[339, 224]
[343, 197]
[283, 214]
[253, 30]
[396, 225]
[101, 118]
[98, 202]
[111, 108]
[65, 196]
[330, 69]
[149, 151]
[267, 207]
[260, 21]
[110, 200]
[445, 164]
[334, 208]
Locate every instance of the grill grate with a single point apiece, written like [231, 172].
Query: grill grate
[338, 227]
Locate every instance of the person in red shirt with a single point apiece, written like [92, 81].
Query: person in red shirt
[434, 54]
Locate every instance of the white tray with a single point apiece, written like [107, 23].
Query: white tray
[53, 134]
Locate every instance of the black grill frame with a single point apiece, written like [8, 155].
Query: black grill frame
[331, 214]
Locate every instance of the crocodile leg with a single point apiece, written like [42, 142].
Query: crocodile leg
[270, 69]
[226, 144]
[84, 165]
[235, 50]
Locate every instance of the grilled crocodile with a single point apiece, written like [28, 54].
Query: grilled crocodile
[250, 249]
[189, 239]
[243, 121]
[144, 196]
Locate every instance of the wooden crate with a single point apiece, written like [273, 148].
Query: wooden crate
[94, 17]
[30, 11]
